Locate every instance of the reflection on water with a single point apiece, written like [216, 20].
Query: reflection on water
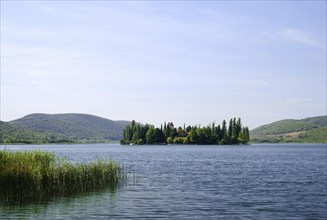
[204, 182]
[60, 208]
[11, 198]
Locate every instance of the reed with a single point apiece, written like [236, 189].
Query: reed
[35, 175]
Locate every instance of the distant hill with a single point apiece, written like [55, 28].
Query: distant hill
[305, 130]
[13, 134]
[75, 127]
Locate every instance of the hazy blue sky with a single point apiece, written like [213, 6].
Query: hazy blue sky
[187, 61]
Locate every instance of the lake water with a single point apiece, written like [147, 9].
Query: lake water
[200, 182]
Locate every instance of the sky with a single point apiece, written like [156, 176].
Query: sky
[192, 62]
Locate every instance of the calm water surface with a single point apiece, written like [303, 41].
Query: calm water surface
[198, 182]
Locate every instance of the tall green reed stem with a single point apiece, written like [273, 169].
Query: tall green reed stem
[35, 175]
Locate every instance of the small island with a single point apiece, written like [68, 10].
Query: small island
[234, 133]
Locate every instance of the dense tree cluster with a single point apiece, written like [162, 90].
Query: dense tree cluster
[234, 133]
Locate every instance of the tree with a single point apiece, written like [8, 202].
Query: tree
[230, 131]
[149, 136]
[193, 136]
[181, 132]
[223, 134]
[246, 135]
[158, 136]
[201, 136]
[238, 127]
[140, 141]
[218, 134]
[173, 133]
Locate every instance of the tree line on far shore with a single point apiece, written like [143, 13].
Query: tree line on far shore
[223, 134]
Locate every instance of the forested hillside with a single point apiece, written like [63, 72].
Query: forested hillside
[71, 127]
[13, 134]
[305, 130]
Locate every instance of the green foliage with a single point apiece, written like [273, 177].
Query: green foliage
[12, 134]
[304, 130]
[320, 121]
[158, 136]
[211, 134]
[315, 135]
[34, 175]
[170, 140]
[74, 126]
[149, 138]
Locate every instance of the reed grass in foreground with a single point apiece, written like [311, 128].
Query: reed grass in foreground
[33, 176]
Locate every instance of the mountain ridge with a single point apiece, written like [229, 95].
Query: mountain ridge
[73, 126]
[311, 129]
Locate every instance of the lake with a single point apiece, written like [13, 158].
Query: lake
[261, 181]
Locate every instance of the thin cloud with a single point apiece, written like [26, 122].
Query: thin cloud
[299, 36]
[297, 100]
[265, 84]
